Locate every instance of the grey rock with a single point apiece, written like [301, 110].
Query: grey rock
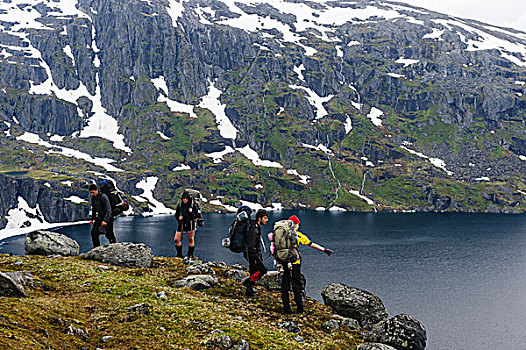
[355, 303]
[12, 284]
[243, 346]
[196, 282]
[224, 342]
[107, 338]
[217, 264]
[404, 332]
[299, 339]
[200, 269]
[271, 280]
[239, 267]
[50, 243]
[290, 327]
[142, 308]
[349, 322]
[374, 346]
[122, 254]
[330, 326]
[236, 275]
[162, 295]
[192, 261]
[77, 332]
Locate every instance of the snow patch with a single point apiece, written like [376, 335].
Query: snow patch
[315, 100]
[69, 53]
[397, 76]
[68, 152]
[353, 43]
[347, 125]
[435, 34]
[254, 158]
[336, 209]
[320, 209]
[225, 206]
[320, 147]
[218, 156]
[406, 61]
[67, 183]
[211, 101]
[182, 167]
[163, 136]
[439, 163]
[359, 195]
[156, 207]
[375, 115]
[175, 10]
[304, 179]
[299, 71]
[75, 200]
[483, 178]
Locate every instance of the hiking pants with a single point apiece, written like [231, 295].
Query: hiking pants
[292, 276]
[256, 269]
[95, 233]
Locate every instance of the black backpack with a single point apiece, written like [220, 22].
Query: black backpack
[195, 197]
[118, 205]
[239, 229]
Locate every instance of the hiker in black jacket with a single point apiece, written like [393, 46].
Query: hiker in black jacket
[256, 267]
[101, 218]
[187, 214]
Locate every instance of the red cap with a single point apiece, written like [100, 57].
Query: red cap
[294, 219]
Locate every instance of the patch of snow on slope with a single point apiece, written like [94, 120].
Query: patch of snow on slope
[435, 34]
[211, 101]
[69, 53]
[148, 186]
[320, 147]
[357, 194]
[397, 76]
[375, 115]
[304, 179]
[439, 163]
[315, 100]
[406, 61]
[75, 200]
[336, 209]
[348, 125]
[299, 71]
[175, 10]
[182, 167]
[24, 219]
[218, 156]
[68, 152]
[163, 136]
[254, 158]
[225, 206]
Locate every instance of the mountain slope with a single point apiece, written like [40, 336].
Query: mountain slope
[355, 105]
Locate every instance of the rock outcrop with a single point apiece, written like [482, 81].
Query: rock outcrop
[50, 243]
[404, 332]
[197, 282]
[122, 254]
[12, 284]
[355, 303]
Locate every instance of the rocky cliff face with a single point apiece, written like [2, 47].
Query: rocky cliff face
[369, 105]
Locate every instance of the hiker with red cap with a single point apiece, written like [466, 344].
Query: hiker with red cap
[290, 259]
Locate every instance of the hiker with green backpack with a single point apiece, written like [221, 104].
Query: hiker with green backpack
[285, 240]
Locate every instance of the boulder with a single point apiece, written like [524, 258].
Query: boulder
[122, 254]
[374, 346]
[355, 303]
[236, 275]
[196, 282]
[50, 243]
[290, 327]
[349, 322]
[12, 283]
[404, 332]
[200, 269]
[330, 325]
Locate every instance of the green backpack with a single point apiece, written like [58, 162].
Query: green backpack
[285, 241]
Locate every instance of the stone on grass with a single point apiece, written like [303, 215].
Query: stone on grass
[122, 254]
[43, 242]
[290, 327]
[12, 284]
[374, 346]
[355, 303]
[200, 269]
[196, 282]
[236, 275]
[330, 325]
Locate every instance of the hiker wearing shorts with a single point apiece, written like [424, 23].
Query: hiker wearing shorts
[186, 215]
[256, 267]
[292, 273]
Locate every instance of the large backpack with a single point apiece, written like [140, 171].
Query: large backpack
[118, 205]
[195, 197]
[285, 239]
[239, 229]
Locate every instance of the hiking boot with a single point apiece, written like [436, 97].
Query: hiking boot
[247, 282]
[299, 311]
[179, 250]
[250, 292]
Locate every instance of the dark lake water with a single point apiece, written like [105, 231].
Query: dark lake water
[462, 275]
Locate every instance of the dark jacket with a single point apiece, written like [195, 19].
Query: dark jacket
[253, 239]
[100, 207]
[183, 209]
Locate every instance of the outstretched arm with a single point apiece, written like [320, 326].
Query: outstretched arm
[319, 247]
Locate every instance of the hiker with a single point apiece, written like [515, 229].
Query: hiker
[256, 267]
[292, 272]
[186, 213]
[101, 216]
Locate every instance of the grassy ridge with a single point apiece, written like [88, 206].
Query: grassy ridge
[71, 293]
